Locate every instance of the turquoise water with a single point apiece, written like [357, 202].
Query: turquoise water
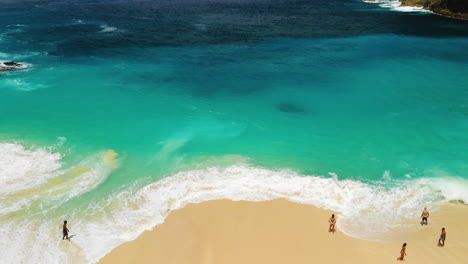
[241, 100]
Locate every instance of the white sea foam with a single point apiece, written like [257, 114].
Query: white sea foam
[17, 25]
[375, 1]
[453, 188]
[34, 184]
[33, 180]
[396, 6]
[391, 4]
[20, 84]
[366, 211]
[411, 9]
[124, 215]
[21, 168]
[107, 29]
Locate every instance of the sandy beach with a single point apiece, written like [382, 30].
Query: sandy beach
[279, 231]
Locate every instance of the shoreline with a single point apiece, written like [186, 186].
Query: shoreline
[280, 231]
[449, 16]
[445, 12]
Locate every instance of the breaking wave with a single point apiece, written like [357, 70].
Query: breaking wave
[37, 184]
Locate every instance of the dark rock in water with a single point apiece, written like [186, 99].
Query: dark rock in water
[12, 63]
[450, 8]
[291, 108]
[10, 66]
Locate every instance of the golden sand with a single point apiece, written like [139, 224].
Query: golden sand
[279, 231]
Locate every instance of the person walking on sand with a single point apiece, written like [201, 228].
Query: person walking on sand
[65, 230]
[332, 222]
[424, 216]
[402, 252]
[442, 237]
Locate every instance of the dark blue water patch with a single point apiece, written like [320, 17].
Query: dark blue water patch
[192, 23]
[291, 108]
[247, 69]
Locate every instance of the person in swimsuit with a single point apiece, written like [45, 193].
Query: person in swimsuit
[65, 230]
[442, 237]
[424, 215]
[332, 222]
[402, 252]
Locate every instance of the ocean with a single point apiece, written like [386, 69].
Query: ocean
[130, 109]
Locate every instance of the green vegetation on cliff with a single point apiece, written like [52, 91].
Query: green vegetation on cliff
[452, 8]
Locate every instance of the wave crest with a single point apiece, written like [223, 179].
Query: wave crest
[366, 211]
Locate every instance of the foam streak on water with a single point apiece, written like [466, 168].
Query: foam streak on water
[21, 168]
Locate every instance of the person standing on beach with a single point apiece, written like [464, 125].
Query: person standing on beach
[442, 237]
[402, 252]
[65, 230]
[424, 216]
[332, 222]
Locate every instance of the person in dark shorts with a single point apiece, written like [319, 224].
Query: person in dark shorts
[65, 230]
[442, 237]
[424, 216]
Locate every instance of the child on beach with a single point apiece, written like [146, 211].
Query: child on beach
[424, 215]
[442, 237]
[65, 230]
[402, 252]
[332, 222]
